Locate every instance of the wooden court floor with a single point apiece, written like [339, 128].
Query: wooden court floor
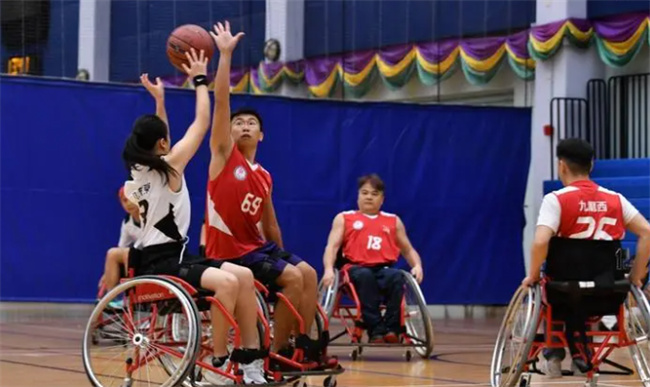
[40, 345]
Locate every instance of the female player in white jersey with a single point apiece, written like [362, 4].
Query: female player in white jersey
[160, 191]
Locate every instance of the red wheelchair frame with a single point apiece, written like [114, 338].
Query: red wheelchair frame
[351, 317]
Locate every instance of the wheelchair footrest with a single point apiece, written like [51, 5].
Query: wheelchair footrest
[326, 372]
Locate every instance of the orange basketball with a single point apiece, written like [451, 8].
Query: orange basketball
[185, 37]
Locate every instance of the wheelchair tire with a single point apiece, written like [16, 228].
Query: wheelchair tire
[637, 327]
[508, 376]
[327, 296]
[134, 330]
[421, 327]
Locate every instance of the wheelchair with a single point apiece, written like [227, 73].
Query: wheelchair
[309, 357]
[164, 330]
[583, 281]
[340, 302]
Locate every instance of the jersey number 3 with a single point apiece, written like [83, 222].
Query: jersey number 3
[591, 226]
[251, 204]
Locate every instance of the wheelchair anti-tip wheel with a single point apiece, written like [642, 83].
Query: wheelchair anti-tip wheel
[637, 323]
[419, 327]
[515, 337]
[143, 326]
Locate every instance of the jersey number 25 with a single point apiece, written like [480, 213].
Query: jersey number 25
[591, 226]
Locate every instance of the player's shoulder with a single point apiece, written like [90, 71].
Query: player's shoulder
[561, 192]
[347, 213]
[608, 191]
[388, 214]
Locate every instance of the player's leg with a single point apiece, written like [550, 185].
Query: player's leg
[391, 283]
[116, 259]
[290, 280]
[367, 289]
[309, 296]
[246, 304]
[226, 288]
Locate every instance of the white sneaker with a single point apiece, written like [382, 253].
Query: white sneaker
[213, 377]
[552, 368]
[254, 372]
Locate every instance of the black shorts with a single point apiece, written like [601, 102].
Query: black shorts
[165, 259]
[267, 263]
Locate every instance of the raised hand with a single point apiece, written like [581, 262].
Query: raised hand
[157, 90]
[198, 64]
[223, 37]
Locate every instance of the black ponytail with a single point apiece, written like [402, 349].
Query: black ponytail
[139, 147]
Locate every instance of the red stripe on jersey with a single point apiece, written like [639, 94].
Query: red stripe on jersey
[369, 241]
[235, 203]
[590, 212]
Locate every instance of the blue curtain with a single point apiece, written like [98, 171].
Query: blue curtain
[455, 175]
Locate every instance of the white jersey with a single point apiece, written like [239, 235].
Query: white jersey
[129, 232]
[165, 215]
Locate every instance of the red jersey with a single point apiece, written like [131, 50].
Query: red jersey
[370, 240]
[235, 203]
[584, 210]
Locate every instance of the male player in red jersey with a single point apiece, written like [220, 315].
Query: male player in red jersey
[372, 241]
[584, 210]
[241, 224]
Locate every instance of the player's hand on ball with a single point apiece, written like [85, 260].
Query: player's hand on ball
[157, 90]
[417, 273]
[224, 39]
[198, 63]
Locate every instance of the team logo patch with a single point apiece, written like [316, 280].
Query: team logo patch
[386, 229]
[358, 225]
[240, 173]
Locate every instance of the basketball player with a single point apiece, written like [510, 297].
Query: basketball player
[116, 257]
[372, 241]
[240, 205]
[583, 210]
[160, 191]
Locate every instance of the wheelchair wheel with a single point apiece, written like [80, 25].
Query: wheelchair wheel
[419, 326]
[515, 337]
[637, 326]
[141, 326]
[327, 296]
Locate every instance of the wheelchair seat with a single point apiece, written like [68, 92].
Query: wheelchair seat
[585, 274]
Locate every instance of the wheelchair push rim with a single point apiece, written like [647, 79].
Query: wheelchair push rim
[417, 320]
[637, 327]
[142, 337]
[521, 320]
[327, 295]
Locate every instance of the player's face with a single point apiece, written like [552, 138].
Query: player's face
[370, 200]
[246, 130]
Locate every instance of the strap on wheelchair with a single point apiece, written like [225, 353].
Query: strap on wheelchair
[313, 349]
[247, 356]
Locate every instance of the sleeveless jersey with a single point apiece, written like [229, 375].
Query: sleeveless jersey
[234, 208]
[584, 210]
[164, 215]
[370, 240]
[129, 232]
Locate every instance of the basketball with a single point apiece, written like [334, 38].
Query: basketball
[185, 37]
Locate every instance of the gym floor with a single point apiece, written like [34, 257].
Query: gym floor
[40, 345]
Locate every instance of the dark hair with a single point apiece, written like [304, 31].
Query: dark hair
[249, 111]
[577, 154]
[374, 180]
[147, 130]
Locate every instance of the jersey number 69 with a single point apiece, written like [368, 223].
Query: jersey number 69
[251, 204]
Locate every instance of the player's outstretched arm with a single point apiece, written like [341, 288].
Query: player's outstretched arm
[221, 141]
[409, 252]
[640, 226]
[157, 91]
[334, 242]
[181, 154]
